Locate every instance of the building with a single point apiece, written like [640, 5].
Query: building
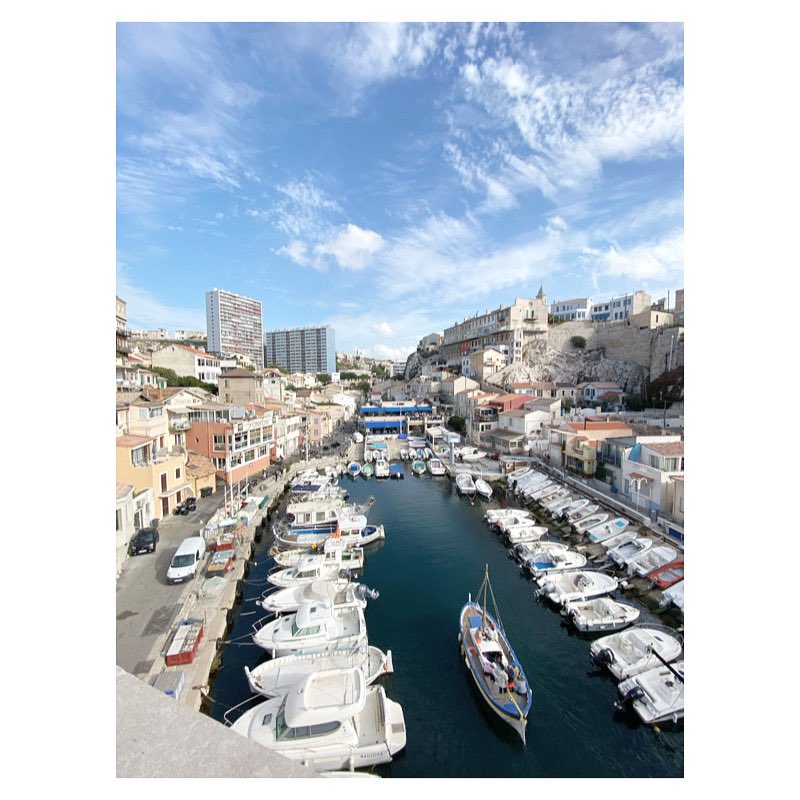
[240, 386]
[652, 318]
[576, 308]
[430, 343]
[620, 308]
[235, 325]
[592, 392]
[398, 369]
[510, 327]
[483, 363]
[301, 349]
[188, 362]
[123, 347]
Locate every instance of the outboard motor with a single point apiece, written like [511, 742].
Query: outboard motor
[363, 592]
[603, 657]
[634, 693]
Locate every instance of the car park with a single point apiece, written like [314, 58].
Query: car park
[143, 541]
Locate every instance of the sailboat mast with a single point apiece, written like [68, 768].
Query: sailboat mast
[485, 587]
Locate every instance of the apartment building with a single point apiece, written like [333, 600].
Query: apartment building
[234, 325]
[574, 309]
[507, 327]
[188, 362]
[310, 349]
[621, 308]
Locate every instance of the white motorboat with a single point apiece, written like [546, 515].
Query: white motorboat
[607, 529]
[464, 484]
[340, 592]
[622, 554]
[581, 513]
[528, 490]
[354, 469]
[330, 720]
[316, 627]
[517, 474]
[494, 515]
[655, 695]
[589, 522]
[352, 557]
[544, 563]
[274, 678]
[541, 494]
[429, 454]
[578, 585]
[369, 456]
[554, 506]
[628, 535]
[471, 454]
[559, 493]
[319, 513]
[483, 488]
[524, 549]
[436, 467]
[600, 614]
[674, 595]
[311, 567]
[529, 480]
[404, 454]
[573, 507]
[381, 468]
[504, 524]
[635, 650]
[525, 533]
[654, 558]
[418, 466]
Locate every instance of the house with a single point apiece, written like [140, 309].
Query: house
[567, 391]
[135, 510]
[593, 392]
[649, 470]
[240, 386]
[483, 363]
[652, 318]
[188, 362]
[535, 389]
[576, 444]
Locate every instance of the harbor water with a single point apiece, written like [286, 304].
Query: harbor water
[431, 560]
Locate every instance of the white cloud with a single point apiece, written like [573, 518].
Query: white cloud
[352, 247]
[656, 261]
[297, 251]
[146, 311]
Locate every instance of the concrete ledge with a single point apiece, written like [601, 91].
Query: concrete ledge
[158, 737]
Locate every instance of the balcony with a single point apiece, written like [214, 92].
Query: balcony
[180, 425]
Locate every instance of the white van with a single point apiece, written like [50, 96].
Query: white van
[186, 560]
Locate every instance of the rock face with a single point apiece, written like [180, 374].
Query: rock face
[413, 366]
[624, 355]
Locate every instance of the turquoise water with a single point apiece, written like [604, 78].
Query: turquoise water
[433, 557]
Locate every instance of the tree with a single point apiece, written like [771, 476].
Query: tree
[379, 371]
[578, 341]
[173, 379]
[600, 471]
[458, 424]
[364, 386]
[324, 378]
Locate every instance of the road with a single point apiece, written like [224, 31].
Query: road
[146, 602]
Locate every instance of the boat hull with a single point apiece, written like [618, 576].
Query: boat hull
[511, 707]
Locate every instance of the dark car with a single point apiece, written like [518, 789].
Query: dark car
[191, 503]
[144, 541]
[181, 508]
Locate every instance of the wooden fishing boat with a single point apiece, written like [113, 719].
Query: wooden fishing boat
[490, 659]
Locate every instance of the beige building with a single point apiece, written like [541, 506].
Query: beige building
[188, 362]
[483, 363]
[507, 329]
[240, 386]
[652, 318]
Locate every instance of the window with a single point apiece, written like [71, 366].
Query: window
[119, 519]
[178, 474]
[219, 442]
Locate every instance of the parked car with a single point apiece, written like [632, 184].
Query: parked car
[181, 508]
[143, 541]
[191, 503]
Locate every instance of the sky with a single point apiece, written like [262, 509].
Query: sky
[392, 179]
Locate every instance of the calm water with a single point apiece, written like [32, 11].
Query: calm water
[434, 554]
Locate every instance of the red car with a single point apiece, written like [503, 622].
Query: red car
[666, 576]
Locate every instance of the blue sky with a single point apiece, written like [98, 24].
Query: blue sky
[391, 179]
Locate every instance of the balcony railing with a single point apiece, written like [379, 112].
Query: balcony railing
[180, 425]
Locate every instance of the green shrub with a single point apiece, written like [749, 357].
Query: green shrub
[578, 341]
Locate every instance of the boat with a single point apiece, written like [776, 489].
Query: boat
[516, 474]
[397, 471]
[313, 514]
[546, 562]
[330, 720]
[607, 529]
[315, 627]
[367, 470]
[558, 493]
[483, 488]
[353, 531]
[368, 456]
[429, 454]
[553, 507]
[574, 506]
[339, 591]
[493, 515]
[668, 575]
[578, 585]
[674, 595]
[529, 481]
[581, 513]
[507, 524]
[622, 554]
[404, 454]
[422, 454]
[600, 614]
[628, 535]
[464, 484]
[274, 678]
[492, 663]
[354, 469]
[528, 491]
[381, 468]
[436, 467]
[524, 549]
[352, 557]
[653, 559]
[311, 567]
[418, 466]
[589, 522]
[471, 454]
[655, 695]
[525, 533]
[635, 650]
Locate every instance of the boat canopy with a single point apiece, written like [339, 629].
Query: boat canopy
[326, 696]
